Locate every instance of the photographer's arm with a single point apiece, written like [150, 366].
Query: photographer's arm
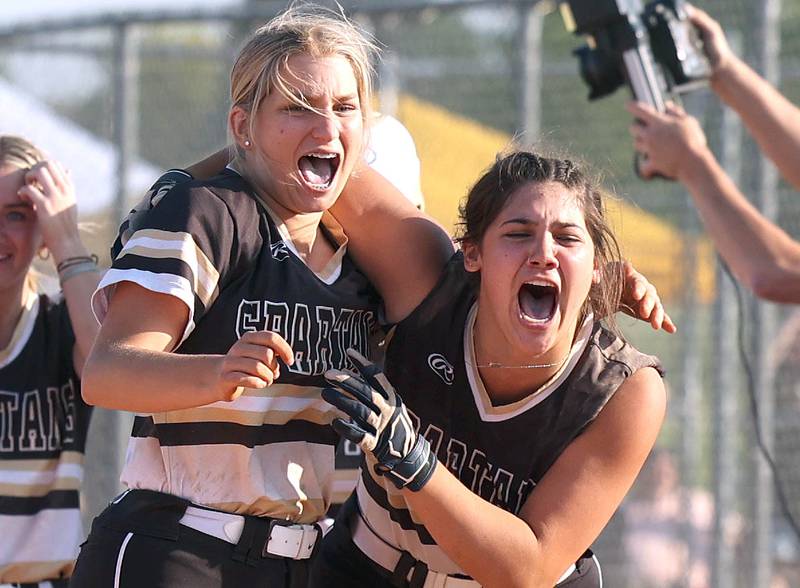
[759, 253]
[772, 120]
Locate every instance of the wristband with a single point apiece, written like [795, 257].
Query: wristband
[76, 269]
[78, 259]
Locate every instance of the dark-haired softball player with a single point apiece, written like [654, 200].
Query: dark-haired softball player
[509, 422]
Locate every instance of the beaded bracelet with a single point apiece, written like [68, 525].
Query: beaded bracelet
[75, 269]
[78, 259]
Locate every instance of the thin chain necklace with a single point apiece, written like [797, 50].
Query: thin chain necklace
[497, 364]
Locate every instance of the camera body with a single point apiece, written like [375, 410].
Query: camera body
[654, 48]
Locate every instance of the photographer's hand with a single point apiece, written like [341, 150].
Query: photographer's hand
[714, 42]
[670, 141]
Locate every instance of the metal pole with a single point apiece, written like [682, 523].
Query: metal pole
[692, 382]
[389, 84]
[692, 428]
[109, 433]
[126, 72]
[530, 63]
[768, 47]
[725, 384]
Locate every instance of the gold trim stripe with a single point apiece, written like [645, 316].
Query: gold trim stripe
[158, 244]
[38, 490]
[41, 465]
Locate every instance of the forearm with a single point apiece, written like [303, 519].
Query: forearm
[78, 294]
[77, 291]
[125, 377]
[758, 252]
[770, 118]
[487, 534]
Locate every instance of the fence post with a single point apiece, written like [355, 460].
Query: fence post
[725, 382]
[767, 58]
[110, 429]
[530, 64]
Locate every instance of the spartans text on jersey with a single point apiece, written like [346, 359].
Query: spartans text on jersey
[30, 421]
[471, 466]
[319, 335]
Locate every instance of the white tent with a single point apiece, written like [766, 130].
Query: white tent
[91, 160]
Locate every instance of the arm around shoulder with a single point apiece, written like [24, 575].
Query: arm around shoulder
[400, 249]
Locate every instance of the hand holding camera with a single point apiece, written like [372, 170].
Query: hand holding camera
[656, 49]
[669, 141]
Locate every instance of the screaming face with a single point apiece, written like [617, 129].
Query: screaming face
[536, 261]
[305, 142]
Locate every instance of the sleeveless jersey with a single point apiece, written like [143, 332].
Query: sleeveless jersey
[498, 452]
[214, 245]
[43, 424]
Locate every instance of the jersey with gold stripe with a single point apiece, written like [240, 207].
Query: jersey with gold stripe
[498, 452]
[214, 245]
[43, 424]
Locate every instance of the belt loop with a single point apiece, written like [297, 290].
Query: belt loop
[418, 575]
[243, 546]
[261, 528]
[401, 570]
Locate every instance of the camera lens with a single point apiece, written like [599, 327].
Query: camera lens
[600, 70]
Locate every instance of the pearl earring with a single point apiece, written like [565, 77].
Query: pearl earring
[247, 143]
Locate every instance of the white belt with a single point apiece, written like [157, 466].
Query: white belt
[388, 557]
[290, 540]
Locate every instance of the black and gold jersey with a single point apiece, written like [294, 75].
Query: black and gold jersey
[498, 452]
[214, 245]
[43, 425]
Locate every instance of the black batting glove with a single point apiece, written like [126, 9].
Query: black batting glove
[379, 423]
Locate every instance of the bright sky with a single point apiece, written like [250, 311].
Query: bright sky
[19, 12]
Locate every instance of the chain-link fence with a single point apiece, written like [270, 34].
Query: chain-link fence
[120, 97]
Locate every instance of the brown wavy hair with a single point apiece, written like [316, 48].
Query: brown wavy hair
[490, 194]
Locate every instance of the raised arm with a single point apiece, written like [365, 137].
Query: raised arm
[772, 120]
[49, 189]
[400, 249]
[760, 253]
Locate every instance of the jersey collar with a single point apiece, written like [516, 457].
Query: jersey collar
[492, 413]
[22, 332]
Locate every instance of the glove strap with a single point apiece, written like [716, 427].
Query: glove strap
[415, 469]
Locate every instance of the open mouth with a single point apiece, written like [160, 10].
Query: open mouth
[538, 301]
[319, 169]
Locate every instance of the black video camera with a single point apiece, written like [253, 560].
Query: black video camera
[655, 48]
